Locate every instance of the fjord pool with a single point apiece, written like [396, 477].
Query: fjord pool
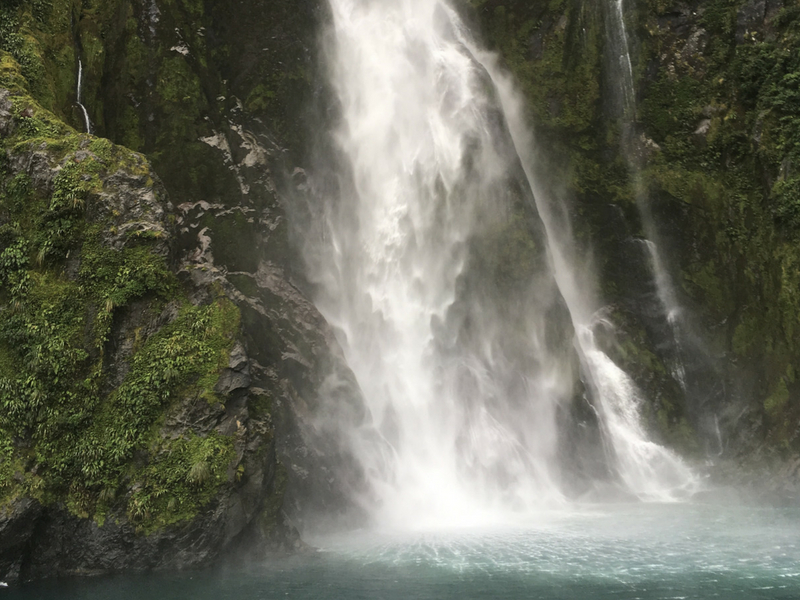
[626, 551]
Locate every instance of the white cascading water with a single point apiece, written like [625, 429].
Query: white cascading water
[648, 470]
[468, 430]
[79, 98]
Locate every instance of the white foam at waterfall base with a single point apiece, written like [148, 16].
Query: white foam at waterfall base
[387, 257]
[649, 470]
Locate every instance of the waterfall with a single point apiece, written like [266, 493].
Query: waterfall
[670, 306]
[618, 40]
[689, 361]
[79, 98]
[622, 72]
[648, 470]
[452, 295]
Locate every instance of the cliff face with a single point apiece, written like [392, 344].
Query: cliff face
[709, 154]
[169, 392]
[163, 379]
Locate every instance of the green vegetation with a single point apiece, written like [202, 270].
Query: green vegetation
[555, 53]
[101, 343]
[719, 107]
[68, 431]
[184, 475]
[39, 35]
[739, 183]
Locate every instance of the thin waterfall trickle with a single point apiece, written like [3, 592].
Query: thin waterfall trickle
[688, 360]
[79, 98]
[619, 44]
[667, 297]
[672, 310]
[453, 296]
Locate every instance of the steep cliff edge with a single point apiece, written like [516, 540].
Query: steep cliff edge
[168, 392]
[714, 128]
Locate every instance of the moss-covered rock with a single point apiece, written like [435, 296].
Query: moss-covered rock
[115, 415]
[723, 117]
[159, 435]
[98, 338]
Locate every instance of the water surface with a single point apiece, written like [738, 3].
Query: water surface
[631, 552]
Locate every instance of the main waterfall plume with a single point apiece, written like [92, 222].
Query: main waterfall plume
[446, 284]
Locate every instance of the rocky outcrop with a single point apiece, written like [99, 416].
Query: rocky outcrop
[184, 392]
[294, 367]
[245, 446]
[17, 523]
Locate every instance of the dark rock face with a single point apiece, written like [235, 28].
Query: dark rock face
[284, 387]
[41, 536]
[216, 105]
[713, 140]
[17, 523]
[750, 19]
[296, 368]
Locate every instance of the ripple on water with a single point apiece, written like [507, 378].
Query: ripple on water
[625, 552]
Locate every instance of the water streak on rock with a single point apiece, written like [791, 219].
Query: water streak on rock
[79, 100]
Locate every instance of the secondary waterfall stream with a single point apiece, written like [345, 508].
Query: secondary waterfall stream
[684, 352]
[452, 286]
[79, 98]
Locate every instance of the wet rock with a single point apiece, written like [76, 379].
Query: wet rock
[750, 19]
[237, 375]
[17, 524]
[703, 127]
[272, 406]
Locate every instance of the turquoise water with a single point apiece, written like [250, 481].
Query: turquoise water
[632, 551]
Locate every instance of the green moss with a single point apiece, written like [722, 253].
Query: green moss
[183, 476]
[10, 75]
[18, 41]
[260, 405]
[183, 359]
[130, 129]
[195, 169]
[178, 86]
[7, 465]
[55, 398]
[270, 515]
[245, 284]
[562, 84]
[736, 185]
[260, 99]
[786, 202]
[672, 109]
[114, 278]
[640, 355]
[777, 400]
[236, 241]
